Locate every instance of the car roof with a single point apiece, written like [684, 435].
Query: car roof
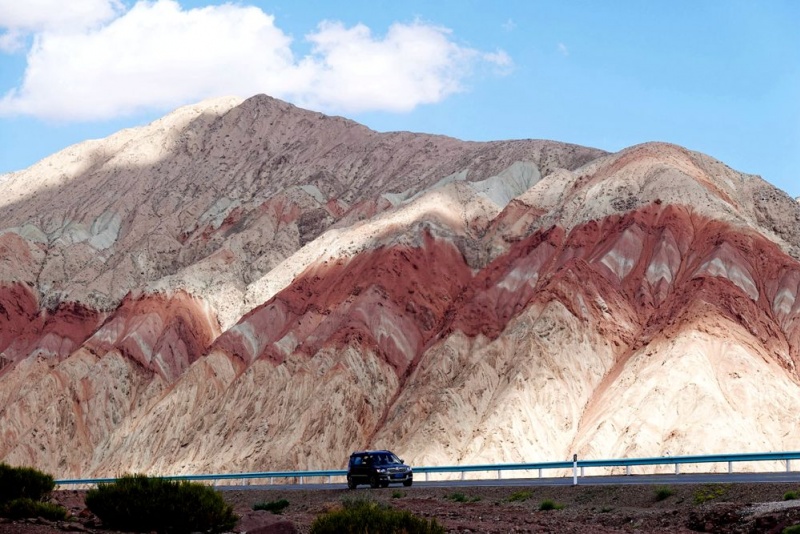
[356, 453]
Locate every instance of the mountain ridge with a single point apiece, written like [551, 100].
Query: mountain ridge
[252, 284]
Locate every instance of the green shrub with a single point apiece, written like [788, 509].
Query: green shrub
[794, 529]
[398, 494]
[791, 495]
[143, 504]
[363, 517]
[521, 495]
[24, 483]
[25, 507]
[709, 493]
[276, 507]
[663, 492]
[358, 502]
[548, 504]
[460, 497]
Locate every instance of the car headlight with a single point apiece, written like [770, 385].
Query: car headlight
[381, 470]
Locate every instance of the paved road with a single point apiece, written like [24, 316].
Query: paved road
[689, 478]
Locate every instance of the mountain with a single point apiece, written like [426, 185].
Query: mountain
[246, 285]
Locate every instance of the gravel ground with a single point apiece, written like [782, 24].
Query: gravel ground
[720, 508]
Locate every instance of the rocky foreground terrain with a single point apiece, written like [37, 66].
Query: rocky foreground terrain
[718, 508]
[245, 285]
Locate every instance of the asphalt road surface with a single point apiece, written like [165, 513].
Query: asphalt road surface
[689, 478]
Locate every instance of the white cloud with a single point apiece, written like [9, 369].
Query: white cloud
[350, 69]
[156, 56]
[563, 49]
[11, 41]
[19, 17]
[498, 59]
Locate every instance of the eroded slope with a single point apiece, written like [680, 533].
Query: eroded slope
[250, 286]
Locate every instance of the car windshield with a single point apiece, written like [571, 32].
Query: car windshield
[386, 458]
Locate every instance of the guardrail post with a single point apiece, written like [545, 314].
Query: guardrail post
[582, 471]
[627, 470]
[462, 475]
[330, 479]
[730, 467]
[302, 481]
[540, 472]
[574, 469]
[499, 474]
[677, 468]
[788, 465]
[426, 476]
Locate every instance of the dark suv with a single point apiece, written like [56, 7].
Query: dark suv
[377, 468]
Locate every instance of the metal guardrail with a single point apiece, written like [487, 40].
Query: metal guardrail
[575, 465]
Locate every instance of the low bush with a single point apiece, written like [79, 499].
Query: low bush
[548, 504]
[460, 497]
[24, 483]
[357, 502]
[521, 495]
[144, 504]
[23, 508]
[663, 492]
[276, 507]
[794, 529]
[398, 494]
[362, 517]
[791, 495]
[709, 493]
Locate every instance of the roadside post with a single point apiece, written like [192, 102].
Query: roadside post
[574, 469]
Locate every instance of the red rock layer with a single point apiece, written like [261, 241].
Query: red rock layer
[164, 335]
[27, 330]
[18, 310]
[645, 268]
[394, 300]
[653, 264]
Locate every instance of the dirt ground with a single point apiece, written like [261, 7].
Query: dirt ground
[719, 508]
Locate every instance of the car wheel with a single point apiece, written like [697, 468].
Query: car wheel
[407, 483]
[351, 484]
[384, 484]
[374, 482]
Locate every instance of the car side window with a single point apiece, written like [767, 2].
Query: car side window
[356, 460]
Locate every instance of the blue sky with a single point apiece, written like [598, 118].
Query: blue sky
[721, 77]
